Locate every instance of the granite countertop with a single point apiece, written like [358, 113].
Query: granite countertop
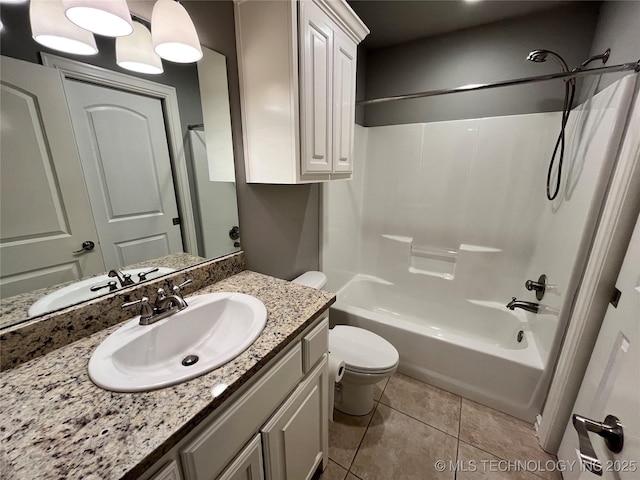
[57, 424]
[15, 309]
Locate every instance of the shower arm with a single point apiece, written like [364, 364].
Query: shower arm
[624, 67]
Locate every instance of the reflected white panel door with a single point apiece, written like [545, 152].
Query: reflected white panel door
[44, 207]
[124, 151]
[611, 385]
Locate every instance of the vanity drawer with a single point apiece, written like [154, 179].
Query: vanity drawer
[315, 344]
[207, 455]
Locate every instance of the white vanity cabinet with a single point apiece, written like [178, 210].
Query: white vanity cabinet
[274, 428]
[297, 66]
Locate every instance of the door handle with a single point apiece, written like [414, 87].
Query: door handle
[610, 430]
[87, 245]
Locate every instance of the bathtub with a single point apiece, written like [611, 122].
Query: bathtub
[468, 347]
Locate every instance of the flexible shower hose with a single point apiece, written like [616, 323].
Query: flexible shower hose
[569, 93]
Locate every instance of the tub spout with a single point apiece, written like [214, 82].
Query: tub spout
[528, 306]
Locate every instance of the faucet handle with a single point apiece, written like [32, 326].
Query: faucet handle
[176, 288]
[142, 276]
[539, 287]
[146, 310]
[111, 285]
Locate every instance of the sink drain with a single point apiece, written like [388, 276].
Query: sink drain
[519, 338]
[190, 360]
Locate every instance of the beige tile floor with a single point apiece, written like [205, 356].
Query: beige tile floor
[414, 425]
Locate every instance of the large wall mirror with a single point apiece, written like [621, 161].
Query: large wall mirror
[108, 177]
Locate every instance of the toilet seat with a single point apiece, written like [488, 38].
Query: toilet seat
[362, 351]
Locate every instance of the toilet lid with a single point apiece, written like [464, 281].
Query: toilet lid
[362, 350]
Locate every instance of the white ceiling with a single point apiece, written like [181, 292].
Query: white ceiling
[398, 21]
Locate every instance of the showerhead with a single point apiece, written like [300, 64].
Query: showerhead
[540, 56]
[537, 56]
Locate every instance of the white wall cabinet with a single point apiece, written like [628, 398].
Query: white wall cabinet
[297, 66]
[275, 427]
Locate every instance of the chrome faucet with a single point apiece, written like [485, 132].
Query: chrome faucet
[163, 307]
[528, 306]
[124, 279]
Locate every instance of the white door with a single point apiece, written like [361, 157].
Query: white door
[44, 207]
[611, 385]
[125, 155]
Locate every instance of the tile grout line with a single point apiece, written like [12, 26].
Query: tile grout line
[500, 458]
[455, 475]
[418, 420]
[375, 407]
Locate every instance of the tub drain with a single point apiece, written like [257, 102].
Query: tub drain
[190, 360]
[519, 338]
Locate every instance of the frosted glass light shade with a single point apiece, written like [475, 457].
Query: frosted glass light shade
[104, 17]
[135, 52]
[49, 27]
[173, 33]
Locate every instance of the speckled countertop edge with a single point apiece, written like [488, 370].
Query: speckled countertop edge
[58, 424]
[42, 335]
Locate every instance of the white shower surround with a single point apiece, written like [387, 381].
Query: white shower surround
[459, 185]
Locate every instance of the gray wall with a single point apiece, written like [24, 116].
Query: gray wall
[481, 54]
[618, 28]
[279, 223]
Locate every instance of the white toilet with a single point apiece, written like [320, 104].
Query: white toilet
[368, 358]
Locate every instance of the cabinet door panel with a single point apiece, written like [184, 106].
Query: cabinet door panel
[344, 95]
[169, 472]
[247, 465]
[295, 439]
[316, 102]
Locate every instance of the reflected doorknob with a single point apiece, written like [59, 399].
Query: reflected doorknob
[234, 233]
[610, 430]
[87, 245]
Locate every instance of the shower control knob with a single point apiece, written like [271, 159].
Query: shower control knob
[539, 287]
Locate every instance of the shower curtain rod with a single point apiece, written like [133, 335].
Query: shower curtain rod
[624, 67]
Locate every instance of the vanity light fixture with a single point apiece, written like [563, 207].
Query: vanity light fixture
[50, 27]
[135, 52]
[104, 17]
[173, 33]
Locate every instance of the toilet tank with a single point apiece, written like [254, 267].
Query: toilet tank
[311, 279]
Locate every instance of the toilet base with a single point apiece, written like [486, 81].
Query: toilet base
[354, 399]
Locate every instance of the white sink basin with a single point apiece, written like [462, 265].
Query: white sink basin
[215, 327]
[81, 291]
